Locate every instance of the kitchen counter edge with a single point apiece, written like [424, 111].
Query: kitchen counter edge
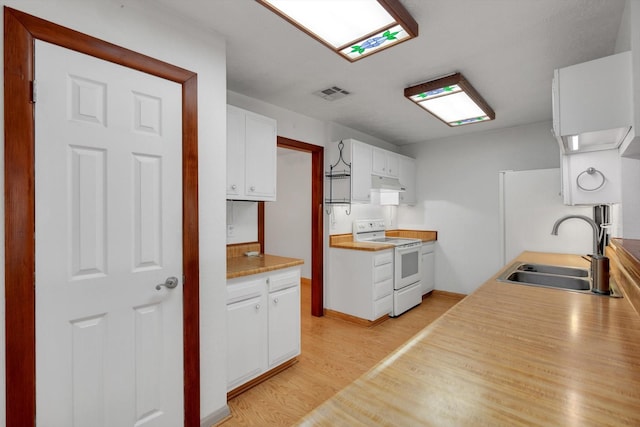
[345, 241]
[248, 265]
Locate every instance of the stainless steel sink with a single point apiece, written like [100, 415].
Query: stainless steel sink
[554, 269]
[549, 276]
[550, 280]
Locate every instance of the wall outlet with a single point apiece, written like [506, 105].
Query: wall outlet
[231, 230]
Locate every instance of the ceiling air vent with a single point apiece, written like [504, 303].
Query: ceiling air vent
[332, 93]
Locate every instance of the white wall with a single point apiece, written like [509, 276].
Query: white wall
[242, 221]
[458, 184]
[287, 221]
[630, 199]
[290, 124]
[341, 223]
[138, 25]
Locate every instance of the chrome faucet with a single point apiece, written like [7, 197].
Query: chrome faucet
[599, 262]
[592, 223]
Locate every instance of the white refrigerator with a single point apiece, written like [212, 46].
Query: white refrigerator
[530, 203]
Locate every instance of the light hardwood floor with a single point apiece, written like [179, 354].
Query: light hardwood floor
[334, 353]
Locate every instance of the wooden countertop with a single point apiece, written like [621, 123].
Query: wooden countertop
[345, 241]
[245, 265]
[506, 355]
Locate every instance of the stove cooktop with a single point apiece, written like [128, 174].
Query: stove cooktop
[393, 241]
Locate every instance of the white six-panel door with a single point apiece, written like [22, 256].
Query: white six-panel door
[108, 230]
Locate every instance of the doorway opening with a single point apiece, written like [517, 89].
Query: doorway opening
[317, 229]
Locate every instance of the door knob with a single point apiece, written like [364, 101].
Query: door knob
[170, 283]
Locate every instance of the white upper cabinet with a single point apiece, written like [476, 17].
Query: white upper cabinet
[349, 180]
[251, 156]
[385, 163]
[235, 152]
[593, 101]
[366, 165]
[361, 155]
[407, 177]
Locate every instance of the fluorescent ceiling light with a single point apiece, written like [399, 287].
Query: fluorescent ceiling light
[451, 99]
[351, 28]
[595, 140]
[574, 143]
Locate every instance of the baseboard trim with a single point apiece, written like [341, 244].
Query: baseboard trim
[448, 294]
[216, 418]
[355, 320]
[252, 383]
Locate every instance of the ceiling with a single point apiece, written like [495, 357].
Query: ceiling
[507, 49]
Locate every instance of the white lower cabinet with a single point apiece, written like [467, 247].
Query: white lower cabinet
[247, 337]
[284, 317]
[428, 255]
[263, 324]
[360, 283]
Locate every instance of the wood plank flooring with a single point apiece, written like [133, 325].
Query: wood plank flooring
[334, 353]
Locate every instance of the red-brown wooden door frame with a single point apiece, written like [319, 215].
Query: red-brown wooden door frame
[20, 32]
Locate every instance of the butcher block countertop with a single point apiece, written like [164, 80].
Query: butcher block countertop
[506, 355]
[246, 265]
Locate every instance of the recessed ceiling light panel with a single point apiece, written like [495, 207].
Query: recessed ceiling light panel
[451, 99]
[351, 28]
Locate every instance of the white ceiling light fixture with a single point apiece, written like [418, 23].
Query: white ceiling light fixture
[352, 28]
[451, 99]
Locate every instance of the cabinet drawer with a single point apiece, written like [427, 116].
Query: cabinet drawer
[382, 259]
[383, 273]
[244, 290]
[428, 247]
[283, 280]
[382, 289]
[382, 306]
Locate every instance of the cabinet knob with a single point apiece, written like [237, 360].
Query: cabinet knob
[257, 306]
[275, 300]
[233, 187]
[252, 188]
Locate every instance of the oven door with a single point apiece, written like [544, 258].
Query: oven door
[408, 268]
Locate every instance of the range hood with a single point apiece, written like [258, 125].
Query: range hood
[385, 183]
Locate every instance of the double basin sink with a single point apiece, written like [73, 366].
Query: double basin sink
[549, 276]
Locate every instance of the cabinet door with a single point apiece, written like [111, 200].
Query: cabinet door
[407, 177]
[428, 272]
[284, 325]
[393, 164]
[260, 157]
[235, 152]
[379, 162]
[361, 159]
[595, 95]
[384, 163]
[246, 340]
